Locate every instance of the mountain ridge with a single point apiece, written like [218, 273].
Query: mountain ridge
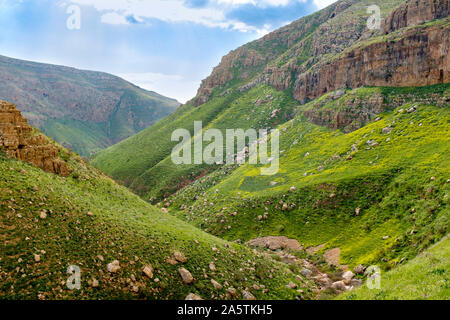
[84, 110]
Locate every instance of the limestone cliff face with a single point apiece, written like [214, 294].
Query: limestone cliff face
[333, 49]
[414, 12]
[18, 140]
[416, 57]
[252, 58]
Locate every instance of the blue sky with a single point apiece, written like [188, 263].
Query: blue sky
[167, 46]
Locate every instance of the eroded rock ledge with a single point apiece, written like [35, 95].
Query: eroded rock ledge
[19, 141]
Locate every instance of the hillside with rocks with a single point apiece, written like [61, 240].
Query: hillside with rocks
[124, 247]
[363, 119]
[85, 111]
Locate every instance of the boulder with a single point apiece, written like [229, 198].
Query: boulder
[186, 276]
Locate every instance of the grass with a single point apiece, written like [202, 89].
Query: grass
[122, 227]
[386, 182]
[426, 277]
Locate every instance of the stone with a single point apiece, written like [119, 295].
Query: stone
[43, 215]
[179, 256]
[292, 189]
[339, 286]
[186, 276]
[94, 283]
[192, 296]
[164, 210]
[359, 269]
[247, 295]
[348, 275]
[356, 283]
[113, 267]
[231, 293]
[357, 211]
[306, 272]
[216, 285]
[212, 266]
[148, 271]
[291, 285]
[37, 258]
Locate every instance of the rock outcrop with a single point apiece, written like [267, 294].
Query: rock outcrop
[419, 58]
[19, 141]
[415, 12]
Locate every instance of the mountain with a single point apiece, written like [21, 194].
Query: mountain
[85, 111]
[124, 247]
[364, 142]
[328, 51]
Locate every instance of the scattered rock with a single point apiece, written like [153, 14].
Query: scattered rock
[247, 295]
[291, 285]
[37, 258]
[231, 293]
[94, 283]
[348, 275]
[113, 267]
[212, 267]
[186, 275]
[216, 285]
[339, 286]
[43, 215]
[357, 211]
[306, 272]
[359, 269]
[179, 256]
[292, 189]
[192, 296]
[148, 271]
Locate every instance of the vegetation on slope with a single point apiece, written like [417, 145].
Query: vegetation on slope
[396, 175]
[49, 223]
[425, 277]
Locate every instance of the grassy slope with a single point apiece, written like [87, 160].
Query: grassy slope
[385, 181]
[65, 101]
[122, 227]
[425, 277]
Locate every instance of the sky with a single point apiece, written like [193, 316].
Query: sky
[167, 46]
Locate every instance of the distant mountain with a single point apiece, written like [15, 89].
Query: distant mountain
[85, 111]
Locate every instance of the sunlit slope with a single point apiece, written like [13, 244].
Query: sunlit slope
[423, 278]
[48, 223]
[378, 192]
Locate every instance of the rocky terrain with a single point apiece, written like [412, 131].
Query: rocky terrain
[363, 117]
[83, 110]
[363, 179]
[19, 140]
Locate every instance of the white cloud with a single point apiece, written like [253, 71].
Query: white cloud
[174, 11]
[113, 18]
[323, 3]
[173, 86]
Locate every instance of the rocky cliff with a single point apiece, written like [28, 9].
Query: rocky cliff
[20, 141]
[412, 57]
[415, 12]
[333, 49]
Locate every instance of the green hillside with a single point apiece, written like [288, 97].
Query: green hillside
[85, 111]
[90, 221]
[426, 277]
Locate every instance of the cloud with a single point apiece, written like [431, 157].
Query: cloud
[173, 86]
[113, 18]
[211, 14]
[323, 3]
